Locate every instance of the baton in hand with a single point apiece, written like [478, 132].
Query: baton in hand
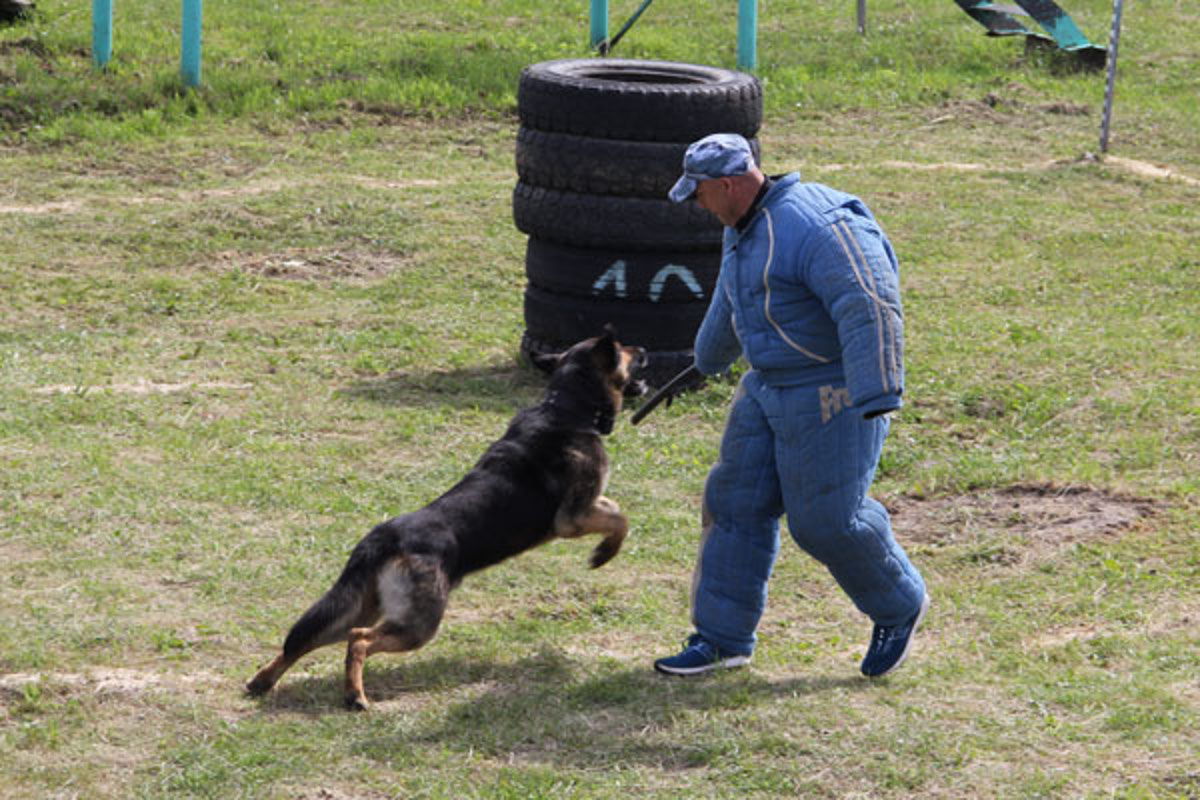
[667, 392]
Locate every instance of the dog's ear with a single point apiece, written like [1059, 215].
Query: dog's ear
[546, 362]
[604, 352]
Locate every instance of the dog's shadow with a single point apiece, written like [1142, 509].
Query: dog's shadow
[551, 708]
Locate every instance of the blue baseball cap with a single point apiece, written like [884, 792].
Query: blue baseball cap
[720, 155]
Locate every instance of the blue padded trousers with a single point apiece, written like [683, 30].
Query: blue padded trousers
[803, 451]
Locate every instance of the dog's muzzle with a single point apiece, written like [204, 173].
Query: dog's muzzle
[636, 387]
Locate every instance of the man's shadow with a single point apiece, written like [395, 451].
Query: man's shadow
[553, 709]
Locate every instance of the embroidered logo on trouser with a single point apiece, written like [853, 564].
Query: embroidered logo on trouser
[833, 401]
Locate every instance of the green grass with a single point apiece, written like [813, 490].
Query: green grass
[240, 325]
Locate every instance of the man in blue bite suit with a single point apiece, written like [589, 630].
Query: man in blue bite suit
[808, 292]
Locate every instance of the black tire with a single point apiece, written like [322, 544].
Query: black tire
[617, 223]
[560, 319]
[661, 366]
[619, 275]
[15, 10]
[661, 101]
[589, 165]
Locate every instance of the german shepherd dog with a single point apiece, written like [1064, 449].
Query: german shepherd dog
[544, 479]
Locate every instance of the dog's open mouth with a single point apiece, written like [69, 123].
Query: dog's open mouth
[635, 386]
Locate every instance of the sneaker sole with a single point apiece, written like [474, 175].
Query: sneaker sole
[725, 663]
[911, 636]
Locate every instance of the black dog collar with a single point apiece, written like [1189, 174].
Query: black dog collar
[581, 415]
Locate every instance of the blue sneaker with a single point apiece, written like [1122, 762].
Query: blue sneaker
[890, 645]
[698, 655]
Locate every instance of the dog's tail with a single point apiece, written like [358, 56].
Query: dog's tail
[346, 605]
[327, 621]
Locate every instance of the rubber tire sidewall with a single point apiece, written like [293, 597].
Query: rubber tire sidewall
[559, 319]
[590, 165]
[616, 223]
[639, 100]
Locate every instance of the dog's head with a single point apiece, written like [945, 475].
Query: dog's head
[602, 363]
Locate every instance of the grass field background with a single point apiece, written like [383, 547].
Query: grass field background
[241, 325]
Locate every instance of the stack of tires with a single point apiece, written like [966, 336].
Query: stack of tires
[601, 142]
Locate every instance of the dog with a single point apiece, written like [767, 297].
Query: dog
[544, 479]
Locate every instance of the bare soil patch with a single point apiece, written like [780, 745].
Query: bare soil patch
[104, 681]
[1146, 170]
[144, 387]
[313, 265]
[1141, 169]
[1033, 522]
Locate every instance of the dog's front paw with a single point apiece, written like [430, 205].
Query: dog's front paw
[357, 702]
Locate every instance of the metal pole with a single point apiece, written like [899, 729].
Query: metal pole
[862, 17]
[1113, 40]
[747, 34]
[193, 11]
[101, 32]
[599, 21]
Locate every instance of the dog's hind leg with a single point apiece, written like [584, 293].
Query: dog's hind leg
[604, 517]
[385, 637]
[266, 678]
[328, 621]
[413, 591]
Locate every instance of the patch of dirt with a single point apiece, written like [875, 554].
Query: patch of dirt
[1017, 524]
[1147, 170]
[143, 387]
[1177, 617]
[29, 45]
[1066, 109]
[304, 265]
[105, 681]
[944, 165]
[1141, 169]
[379, 183]
[44, 208]
[333, 794]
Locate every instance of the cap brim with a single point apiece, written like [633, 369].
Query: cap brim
[684, 188]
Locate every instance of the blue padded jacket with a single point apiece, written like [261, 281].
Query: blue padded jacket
[809, 292]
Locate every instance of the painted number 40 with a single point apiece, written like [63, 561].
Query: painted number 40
[614, 276]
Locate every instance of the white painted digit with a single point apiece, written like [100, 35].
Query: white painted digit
[614, 275]
[683, 273]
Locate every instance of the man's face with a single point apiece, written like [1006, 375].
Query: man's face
[716, 196]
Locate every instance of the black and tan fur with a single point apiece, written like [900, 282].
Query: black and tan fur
[544, 479]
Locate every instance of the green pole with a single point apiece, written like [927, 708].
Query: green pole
[101, 32]
[747, 34]
[599, 21]
[193, 11]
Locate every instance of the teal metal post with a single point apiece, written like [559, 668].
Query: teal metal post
[101, 32]
[747, 34]
[193, 12]
[599, 21]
